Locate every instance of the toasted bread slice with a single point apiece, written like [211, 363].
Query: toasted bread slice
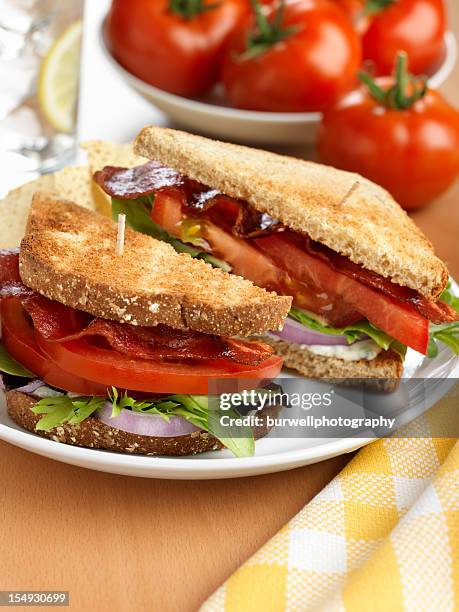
[92, 433]
[71, 183]
[68, 255]
[342, 210]
[103, 153]
[382, 372]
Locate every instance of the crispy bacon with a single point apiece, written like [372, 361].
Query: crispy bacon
[132, 183]
[53, 320]
[250, 223]
[152, 177]
[245, 223]
[9, 266]
[11, 284]
[14, 289]
[59, 323]
[166, 344]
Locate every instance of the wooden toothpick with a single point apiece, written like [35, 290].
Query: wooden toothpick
[120, 237]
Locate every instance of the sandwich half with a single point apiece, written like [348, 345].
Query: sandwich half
[365, 282]
[120, 348]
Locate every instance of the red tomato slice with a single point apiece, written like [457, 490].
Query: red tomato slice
[19, 340]
[167, 210]
[279, 264]
[400, 320]
[111, 368]
[243, 258]
[247, 261]
[259, 267]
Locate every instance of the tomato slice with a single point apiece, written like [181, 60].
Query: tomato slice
[111, 368]
[259, 267]
[400, 320]
[242, 257]
[278, 264]
[83, 368]
[248, 261]
[167, 210]
[19, 340]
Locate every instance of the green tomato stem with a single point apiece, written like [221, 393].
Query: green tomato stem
[190, 8]
[396, 97]
[267, 33]
[375, 6]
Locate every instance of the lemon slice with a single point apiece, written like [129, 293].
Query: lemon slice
[58, 79]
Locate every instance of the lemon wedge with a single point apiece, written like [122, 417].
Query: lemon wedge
[58, 79]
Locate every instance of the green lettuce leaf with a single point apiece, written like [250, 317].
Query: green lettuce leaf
[8, 365]
[447, 333]
[63, 409]
[120, 402]
[138, 216]
[449, 297]
[352, 332]
[194, 408]
[239, 440]
[399, 348]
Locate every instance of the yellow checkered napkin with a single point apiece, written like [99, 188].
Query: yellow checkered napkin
[383, 535]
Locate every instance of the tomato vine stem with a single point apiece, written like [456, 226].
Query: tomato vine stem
[268, 32]
[191, 8]
[375, 6]
[406, 90]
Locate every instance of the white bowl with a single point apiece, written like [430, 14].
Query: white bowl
[212, 117]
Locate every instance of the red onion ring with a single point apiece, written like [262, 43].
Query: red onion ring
[31, 387]
[38, 388]
[151, 425]
[296, 332]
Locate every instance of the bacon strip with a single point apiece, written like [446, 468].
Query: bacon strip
[63, 324]
[152, 177]
[132, 183]
[11, 284]
[249, 223]
[9, 266]
[59, 323]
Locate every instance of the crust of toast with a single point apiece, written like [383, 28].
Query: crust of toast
[383, 372]
[92, 433]
[342, 210]
[68, 255]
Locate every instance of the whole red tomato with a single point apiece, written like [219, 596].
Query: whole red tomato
[414, 26]
[408, 143]
[175, 45]
[297, 57]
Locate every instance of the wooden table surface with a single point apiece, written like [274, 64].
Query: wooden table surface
[122, 543]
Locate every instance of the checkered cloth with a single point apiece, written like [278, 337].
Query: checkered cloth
[383, 535]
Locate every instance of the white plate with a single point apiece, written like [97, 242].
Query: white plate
[210, 116]
[272, 454]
